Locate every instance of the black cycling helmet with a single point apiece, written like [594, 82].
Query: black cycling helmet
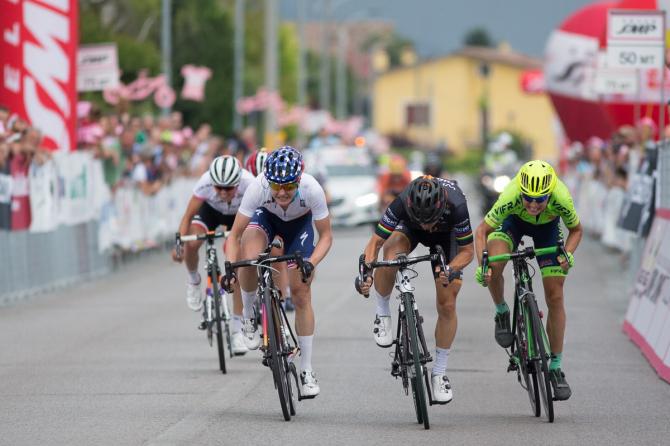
[426, 200]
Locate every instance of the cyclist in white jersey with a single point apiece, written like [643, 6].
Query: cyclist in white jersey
[215, 201]
[284, 202]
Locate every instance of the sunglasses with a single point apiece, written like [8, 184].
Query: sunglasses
[540, 199]
[288, 187]
[226, 188]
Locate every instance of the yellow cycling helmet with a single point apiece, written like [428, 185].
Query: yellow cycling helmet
[536, 178]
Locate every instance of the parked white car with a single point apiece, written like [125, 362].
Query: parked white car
[350, 178]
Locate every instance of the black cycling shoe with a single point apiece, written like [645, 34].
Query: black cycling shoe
[288, 304]
[561, 388]
[503, 334]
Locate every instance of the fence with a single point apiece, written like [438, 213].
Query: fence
[78, 226]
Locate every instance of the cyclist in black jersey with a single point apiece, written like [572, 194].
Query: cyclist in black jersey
[430, 211]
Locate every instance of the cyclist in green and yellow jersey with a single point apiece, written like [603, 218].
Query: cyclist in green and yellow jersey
[531, 205]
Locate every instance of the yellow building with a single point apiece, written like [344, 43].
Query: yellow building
[438, 101]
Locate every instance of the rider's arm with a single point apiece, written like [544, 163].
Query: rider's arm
[190, 212]
[463, 257]
[373, 247]
[235, 237]
[325, 240]
[481, 235]
[574, 237]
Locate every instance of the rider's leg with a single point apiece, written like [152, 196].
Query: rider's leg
[447, 322]
[191, 249]
[304, 327]
[254, 240]
[237, 300]
[384, 278]
[500, 244]
[553, 291]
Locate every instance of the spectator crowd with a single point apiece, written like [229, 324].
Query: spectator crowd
[145, 151]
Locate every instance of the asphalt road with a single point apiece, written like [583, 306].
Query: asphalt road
[119, 361]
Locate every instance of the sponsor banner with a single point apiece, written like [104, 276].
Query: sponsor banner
[76, 196]
[44, 197]
[647, 320]
[38, 65]
[97, 67]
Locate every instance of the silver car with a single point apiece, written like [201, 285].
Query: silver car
[349, 177]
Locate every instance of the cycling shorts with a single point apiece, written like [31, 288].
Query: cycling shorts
[545, 235]
[210, 219]
[298, 234]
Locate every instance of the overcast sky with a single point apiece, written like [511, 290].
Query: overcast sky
[438, 26]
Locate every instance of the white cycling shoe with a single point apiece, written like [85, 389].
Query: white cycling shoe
[238, 344]
[194, 296]
[382, 331]
[442, 393]
[251, 334]
[310, 386]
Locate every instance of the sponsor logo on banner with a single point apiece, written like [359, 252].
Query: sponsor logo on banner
[38, 59]
[97, 67]
[647, 321]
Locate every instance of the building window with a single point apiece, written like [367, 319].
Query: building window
[417, 115]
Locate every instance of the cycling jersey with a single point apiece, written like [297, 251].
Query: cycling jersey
[204, 189]
[309, 197]
[510, 203]
[456, 217]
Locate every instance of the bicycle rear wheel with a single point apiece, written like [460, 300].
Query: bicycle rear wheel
[526, 370]
[418, 391]
[277, 359]
[541, 362]
[219, 330]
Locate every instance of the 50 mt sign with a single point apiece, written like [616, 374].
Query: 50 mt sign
[634, 57]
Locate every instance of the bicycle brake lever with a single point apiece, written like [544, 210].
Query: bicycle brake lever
[363, 271]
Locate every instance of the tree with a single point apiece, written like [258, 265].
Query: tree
[478, 37]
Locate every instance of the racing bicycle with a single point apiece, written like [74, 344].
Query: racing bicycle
[279, 344]
[215, 311]
[411, 352]
[529, 353]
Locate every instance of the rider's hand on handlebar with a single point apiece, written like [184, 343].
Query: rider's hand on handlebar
[307, 270]
[442, 275]
[566, 263]
[177, 254]
[481, 278]
[363, 287]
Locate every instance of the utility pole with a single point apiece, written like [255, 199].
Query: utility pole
[341, 80]
[166, 45]
[302, 79]
[238, 79]
[324, 84]
[271, 66]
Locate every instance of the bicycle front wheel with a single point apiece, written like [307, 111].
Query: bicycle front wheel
[217, 323]
[541, 362]
[526, 368]
[277, 359]
[418, 391]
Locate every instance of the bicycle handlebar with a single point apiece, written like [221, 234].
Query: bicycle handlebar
[526, 253]
[265, 259]
[209, 235]
[402, 261]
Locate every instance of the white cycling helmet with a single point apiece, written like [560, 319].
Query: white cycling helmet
[225, 171]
